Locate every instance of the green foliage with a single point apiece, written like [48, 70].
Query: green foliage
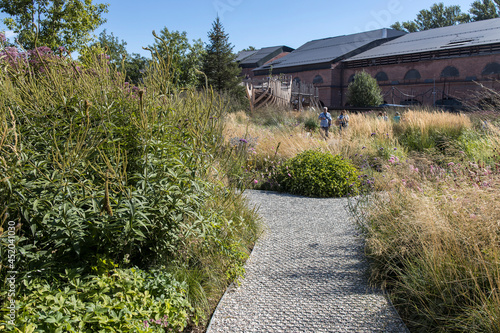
[219, 63]
[364, 91]
[116, 301]
[485, 9]
[96, 174]
[437, 16]
[311, 124]
[112, 46]
[184, 59]
[56, 23]
[317, 174]
[442, 139]
[133, 65]
[440, 15]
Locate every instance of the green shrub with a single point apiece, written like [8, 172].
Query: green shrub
[311, 124]
[125, 300]
[317, 174]
[95, 174]
[364, 91]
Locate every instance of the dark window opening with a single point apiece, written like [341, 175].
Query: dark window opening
[318, 79]
[381, 76]
[450, 71]
[412, 74]
[491, 68]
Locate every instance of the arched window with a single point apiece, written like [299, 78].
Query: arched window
[450, 71]
[412, 74]
[381, 76]
[318, 79]
[296, 80]
[351, 78]
[491, 68]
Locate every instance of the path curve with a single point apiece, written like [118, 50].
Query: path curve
[307, 273]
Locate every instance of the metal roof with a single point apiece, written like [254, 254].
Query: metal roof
[455, 36]
[329, 49]
[244, 54]
[263, 55]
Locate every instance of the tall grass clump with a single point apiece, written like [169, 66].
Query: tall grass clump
[117, 198]
[424, 130]
[433, 237]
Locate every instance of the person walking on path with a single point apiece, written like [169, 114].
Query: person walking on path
[343, 120]
[325, 122]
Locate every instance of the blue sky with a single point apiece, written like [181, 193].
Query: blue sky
[256, 22]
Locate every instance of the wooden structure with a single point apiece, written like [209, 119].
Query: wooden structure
[280, 91]
[304, 95]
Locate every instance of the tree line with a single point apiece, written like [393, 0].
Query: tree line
[68, 25]
[440, 15]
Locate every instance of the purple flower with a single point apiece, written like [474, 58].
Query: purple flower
[373, 134]
[289, 175]
[255, 181]
[243, 140]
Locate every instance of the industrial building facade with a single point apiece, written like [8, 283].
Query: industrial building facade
[443, 66]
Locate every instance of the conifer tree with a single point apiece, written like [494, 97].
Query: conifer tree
[364, 91]
[219, 63]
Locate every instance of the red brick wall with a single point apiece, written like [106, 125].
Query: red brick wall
[332, 94]
[461, 87]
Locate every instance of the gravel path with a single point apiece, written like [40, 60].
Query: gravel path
[307, 273]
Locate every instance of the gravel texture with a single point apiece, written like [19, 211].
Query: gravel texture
[307, 273]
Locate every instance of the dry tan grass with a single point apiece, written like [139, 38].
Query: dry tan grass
[429, 120]
[437, 229]
[294, 140]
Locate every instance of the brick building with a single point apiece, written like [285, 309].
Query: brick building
[442, 66]
[318, 61]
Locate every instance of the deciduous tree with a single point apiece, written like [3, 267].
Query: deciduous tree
[184, 58]
[436, 17]
[112, 46]
[485, 9]
[53, 23]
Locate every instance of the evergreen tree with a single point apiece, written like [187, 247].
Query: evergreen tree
[219, 63]
[364, 91]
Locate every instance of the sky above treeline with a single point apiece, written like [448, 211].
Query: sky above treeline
[255, 23]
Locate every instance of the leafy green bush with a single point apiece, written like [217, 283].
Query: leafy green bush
[317, 174]
[93, 171]
[311, 124]
[364, 91]
[125, 300]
